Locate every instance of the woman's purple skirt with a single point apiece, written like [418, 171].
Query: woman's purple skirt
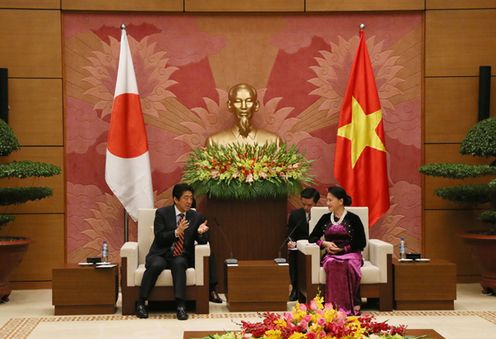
[343, 276]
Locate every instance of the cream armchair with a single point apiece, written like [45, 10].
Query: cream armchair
[133, 266]
[376, 271]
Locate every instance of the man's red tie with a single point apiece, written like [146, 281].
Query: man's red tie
[178, 247]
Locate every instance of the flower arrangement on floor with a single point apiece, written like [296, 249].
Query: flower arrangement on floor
[242, 171]
[314, 321]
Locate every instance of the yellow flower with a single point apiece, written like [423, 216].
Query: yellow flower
[330, 314]
[315, 328]
[272, 334]
[298, 313]
[297, 335]
[353, 323]
[319, 301]
[280, 323]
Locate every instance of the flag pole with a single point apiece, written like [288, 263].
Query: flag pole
[126, 226]
[126, 219]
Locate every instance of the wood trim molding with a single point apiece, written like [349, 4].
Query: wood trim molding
[363, 5]
[460, 4]
[244, 6]
[124, 5]
[31, 4]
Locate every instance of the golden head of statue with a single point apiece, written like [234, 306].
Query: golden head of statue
[243, 103]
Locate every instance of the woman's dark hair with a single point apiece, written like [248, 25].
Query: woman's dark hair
[340, 193]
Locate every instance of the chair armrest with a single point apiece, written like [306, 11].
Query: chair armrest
[378, 251]
[314, 251]
[201, 251]
[130, 251]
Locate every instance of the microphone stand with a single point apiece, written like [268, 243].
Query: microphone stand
[281, 260]
[231, 260]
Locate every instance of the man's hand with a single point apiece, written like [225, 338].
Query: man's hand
[182, 226]
[291, 244]
[203, 228]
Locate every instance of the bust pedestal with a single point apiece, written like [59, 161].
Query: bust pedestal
[250, 229]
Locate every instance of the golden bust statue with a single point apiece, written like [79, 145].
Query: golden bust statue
[243, 102]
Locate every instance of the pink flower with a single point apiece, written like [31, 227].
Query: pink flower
[321, 321]
[249, 178]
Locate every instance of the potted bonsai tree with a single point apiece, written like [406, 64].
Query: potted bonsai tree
[13, 248]
[480, 141]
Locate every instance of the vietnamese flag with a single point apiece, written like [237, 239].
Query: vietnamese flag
[360, 162]
[127, 165]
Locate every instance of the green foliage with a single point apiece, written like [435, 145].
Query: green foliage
[479, 141]
[6, 219]
[471, 194]
[20, 170]
[457, 171]
[20, 195]
[488, 216]
[27, 169]
[242, 171]
[8, 140]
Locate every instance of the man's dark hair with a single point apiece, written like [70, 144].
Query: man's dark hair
[310, 193]
[180, 188]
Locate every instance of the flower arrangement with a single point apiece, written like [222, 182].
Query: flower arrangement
[314, 321]
[242, 171]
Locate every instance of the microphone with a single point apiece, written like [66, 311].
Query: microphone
[231, 260]
[281, 260]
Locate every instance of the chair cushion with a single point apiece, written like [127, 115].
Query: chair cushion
[165, 278]
[370, 274]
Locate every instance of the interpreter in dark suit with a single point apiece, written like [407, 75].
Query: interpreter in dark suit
[298, 230]
[176, 227]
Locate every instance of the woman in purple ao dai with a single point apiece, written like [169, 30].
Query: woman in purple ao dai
[343, 242]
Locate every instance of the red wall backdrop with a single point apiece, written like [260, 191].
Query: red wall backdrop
[184, 67]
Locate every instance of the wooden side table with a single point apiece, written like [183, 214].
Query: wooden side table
[84, 289]
[257, 285]
[424, 285]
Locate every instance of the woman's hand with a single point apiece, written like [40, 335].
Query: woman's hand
[331, 247]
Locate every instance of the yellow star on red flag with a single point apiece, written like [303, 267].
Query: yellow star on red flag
[361, 131]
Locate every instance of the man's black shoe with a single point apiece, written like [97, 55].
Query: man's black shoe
[181, 313]
[214, 297]
[141, 311]
[293, 296]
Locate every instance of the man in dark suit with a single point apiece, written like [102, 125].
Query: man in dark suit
[297, 230]
[176, 227]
